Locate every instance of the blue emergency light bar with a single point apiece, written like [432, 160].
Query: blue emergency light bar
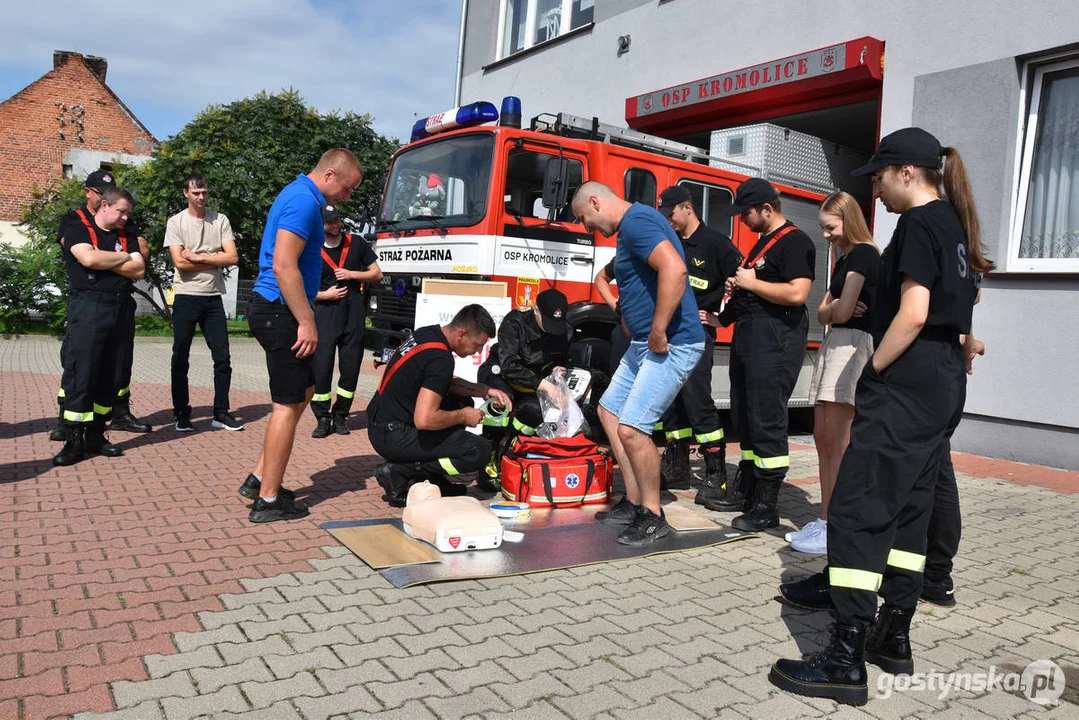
[475, 113]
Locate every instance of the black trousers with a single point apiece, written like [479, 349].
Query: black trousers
[449, 452]
[125, 357]
[693, 412]
[945, 522]
[340, 337]
[208, 313]
[766, 357]
[96, 327]
[880, 511]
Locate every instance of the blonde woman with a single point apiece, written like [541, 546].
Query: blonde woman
[845, 351]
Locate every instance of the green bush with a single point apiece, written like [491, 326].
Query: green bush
[152, 325]
[31, 282]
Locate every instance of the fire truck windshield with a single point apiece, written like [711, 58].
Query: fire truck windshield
[445, 180]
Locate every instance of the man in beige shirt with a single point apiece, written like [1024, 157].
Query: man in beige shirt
[201, 244]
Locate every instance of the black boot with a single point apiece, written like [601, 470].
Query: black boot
[811, 593]
[674, 465]
[324, 428]
[395, 479]
[340, 424]
[838, 672]
[74, 449]
[715, 472]
[98, 444]
[762, 511]
[887, 643]
[122, 419]
[733, 497]
[58, 433]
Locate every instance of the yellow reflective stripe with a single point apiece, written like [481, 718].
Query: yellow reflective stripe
[321, 397]
[447, 466]
[773, 462]
[542, 499]
[854, 579]
[346, 393]
[521, 427]
[501, 421]
[72, 416]
[710, 437]
[61, 394]
[698, 283]
[906, 560]
[658, 426]
[123, 391]
[749, 455]
[679, 434]
[101, 409]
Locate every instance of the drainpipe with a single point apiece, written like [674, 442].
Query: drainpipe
[460, 55]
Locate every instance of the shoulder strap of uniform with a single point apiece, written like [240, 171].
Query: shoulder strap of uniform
[391, 369]
[344, 253]
[775, 238]
[93, 233]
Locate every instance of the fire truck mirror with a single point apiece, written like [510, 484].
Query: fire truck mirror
[556, 183]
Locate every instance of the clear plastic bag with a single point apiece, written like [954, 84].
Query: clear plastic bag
[561, 415]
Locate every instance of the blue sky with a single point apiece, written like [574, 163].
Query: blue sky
[394, 59]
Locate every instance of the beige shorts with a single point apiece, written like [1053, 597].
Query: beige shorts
[840, 362]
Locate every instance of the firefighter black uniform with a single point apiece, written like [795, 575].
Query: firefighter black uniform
[423, 360]
[98, 313]
[711, 258]
[340, 325]
[767, 350]
[523, 356]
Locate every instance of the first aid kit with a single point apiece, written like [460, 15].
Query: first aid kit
[557, 472]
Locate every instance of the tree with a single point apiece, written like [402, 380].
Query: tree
[248, 150]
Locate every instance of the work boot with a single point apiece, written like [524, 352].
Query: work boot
[396, 481]
[762, 510]
[674, 465]
[838, 672]
[58, 433]
[811, 593]
[715, 472]
[731, 497]
[323, 429]
[74, 449]
[123, 420]
[887, 644]
[340, 425]
[97, 444]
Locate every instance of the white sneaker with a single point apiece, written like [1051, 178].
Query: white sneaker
[808, 528]
[815, 542]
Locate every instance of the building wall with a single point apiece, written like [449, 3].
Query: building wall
[32, 153]
[952, 68]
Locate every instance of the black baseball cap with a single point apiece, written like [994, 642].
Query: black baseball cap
[909, 146]
[330, 213]
[99, 180]
[672, 197]
[755, 191]
[553, 306]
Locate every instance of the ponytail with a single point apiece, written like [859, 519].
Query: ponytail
[957, 188]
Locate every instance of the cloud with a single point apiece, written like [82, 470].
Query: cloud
[389, 59]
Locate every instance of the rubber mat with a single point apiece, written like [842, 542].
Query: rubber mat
[552, 540]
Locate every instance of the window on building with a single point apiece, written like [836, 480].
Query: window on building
[640, 186]
[526, 23]
[525, 172]
[1045, 235]
[708, 201]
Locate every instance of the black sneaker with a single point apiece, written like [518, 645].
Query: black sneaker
[283, 508]
[226, 421]
[129, 423]
[183, 423]
[941, 593]
[252, 485]
[623, 513]
[645, 529]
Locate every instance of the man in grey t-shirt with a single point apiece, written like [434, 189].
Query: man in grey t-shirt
[201, 244]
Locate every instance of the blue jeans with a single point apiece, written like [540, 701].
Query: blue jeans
[208, 313]
[646, 383]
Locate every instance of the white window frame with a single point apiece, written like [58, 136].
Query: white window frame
[531, 22]
[1033, 80]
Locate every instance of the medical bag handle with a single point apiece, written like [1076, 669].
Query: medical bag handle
[549, 491]
[401, 359]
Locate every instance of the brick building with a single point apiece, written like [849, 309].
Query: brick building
[67, 123]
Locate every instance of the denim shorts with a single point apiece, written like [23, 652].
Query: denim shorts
[646, 383]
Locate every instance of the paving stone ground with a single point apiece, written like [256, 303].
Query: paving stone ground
[135, 588]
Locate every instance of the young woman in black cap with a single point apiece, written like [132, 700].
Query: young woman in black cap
[909, 398]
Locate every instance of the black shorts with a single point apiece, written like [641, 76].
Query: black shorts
[275, 328]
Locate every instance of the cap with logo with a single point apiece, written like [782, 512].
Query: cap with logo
[330, 213]
[672, 197]
[552, 307]
[753, 192]
[909, 146]
[99, 180]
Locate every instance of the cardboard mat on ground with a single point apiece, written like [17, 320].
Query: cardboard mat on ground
[553, 539]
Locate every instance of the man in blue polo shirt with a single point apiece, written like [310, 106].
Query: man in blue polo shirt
[666, 342]
[281, 319]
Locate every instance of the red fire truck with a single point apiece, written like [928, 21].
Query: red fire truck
[472, 199]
